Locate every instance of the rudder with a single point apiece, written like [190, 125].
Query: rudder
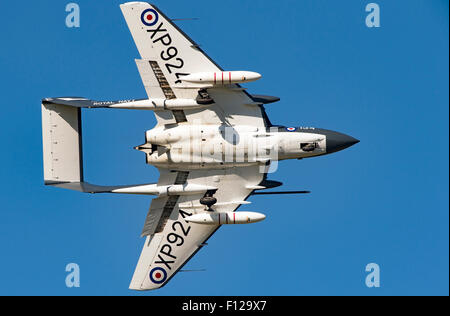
[62, 143]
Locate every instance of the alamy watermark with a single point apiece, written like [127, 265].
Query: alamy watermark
[73, 278]
[373, 18]
[73, 18]
[373, 278]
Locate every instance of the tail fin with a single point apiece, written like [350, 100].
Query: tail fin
[62, 145]
[62, 148]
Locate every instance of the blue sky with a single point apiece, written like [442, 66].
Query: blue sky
[385, 200]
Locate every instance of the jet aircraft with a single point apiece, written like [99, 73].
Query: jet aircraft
[213, 144]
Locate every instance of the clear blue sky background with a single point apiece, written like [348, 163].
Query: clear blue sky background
[384, 200]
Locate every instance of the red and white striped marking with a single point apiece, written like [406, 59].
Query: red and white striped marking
[212, 218]
[223, 76]
[224, 218]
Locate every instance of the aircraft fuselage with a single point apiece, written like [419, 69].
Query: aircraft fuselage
[187, 147]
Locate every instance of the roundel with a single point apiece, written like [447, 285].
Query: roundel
[149, 17]
[158, 275]
[291, 129]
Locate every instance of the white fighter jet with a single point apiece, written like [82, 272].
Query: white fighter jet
[213, 144]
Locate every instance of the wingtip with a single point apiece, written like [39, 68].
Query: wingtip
[136, 287]
[131, 3]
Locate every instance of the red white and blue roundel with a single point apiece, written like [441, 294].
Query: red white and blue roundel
[158, 275]
[291, 129]
[149, 17]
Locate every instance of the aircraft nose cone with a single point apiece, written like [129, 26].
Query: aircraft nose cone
[338, 141]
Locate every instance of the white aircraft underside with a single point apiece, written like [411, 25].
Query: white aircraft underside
[213, 144]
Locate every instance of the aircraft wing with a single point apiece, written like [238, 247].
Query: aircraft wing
[167, 54]
[170, 240]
